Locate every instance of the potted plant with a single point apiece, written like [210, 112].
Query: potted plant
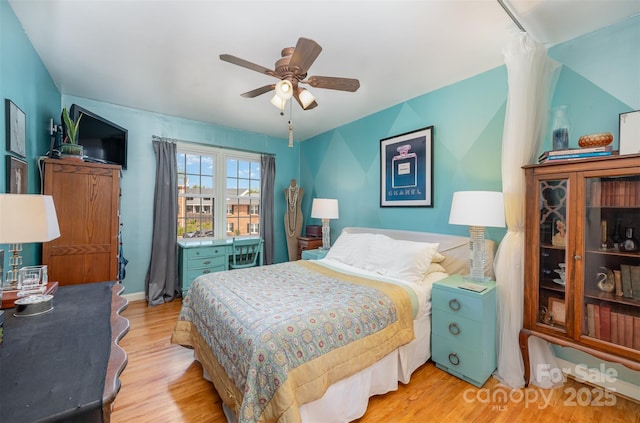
[70, 147]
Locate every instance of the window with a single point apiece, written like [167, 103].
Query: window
[218, 192]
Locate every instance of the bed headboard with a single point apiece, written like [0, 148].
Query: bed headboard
[455, 248]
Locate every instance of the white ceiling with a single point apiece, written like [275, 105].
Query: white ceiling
[162, 55]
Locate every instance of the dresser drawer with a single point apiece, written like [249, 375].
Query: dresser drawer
[211, 261]
[455, 328]
[194, 273]
[472, 365]
[457, 302]
[201, 252]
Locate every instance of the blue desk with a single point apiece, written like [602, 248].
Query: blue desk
[197, 258]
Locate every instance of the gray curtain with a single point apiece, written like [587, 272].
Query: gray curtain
[268, 166]
[162, 283]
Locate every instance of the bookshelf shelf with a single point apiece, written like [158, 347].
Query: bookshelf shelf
[578, 215]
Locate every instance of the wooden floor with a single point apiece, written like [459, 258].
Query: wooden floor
[163, 383]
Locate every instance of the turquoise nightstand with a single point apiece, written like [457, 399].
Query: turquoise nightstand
[316, 254]
[464, 329]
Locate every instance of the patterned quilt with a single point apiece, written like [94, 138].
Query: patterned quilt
[283, 333]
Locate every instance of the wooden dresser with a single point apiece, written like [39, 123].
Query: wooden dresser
[86, 197]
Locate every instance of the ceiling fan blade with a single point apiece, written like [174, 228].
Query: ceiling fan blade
[333, 83]
[258, 91]
[304, 54]
[246, 64]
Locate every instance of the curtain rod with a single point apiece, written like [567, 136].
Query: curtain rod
[174, 140]
[511, 15]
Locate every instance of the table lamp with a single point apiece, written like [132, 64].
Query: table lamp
[25, 218]
[325, 209]
[477, 209]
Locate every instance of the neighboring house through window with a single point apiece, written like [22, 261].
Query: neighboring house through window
[218, 192]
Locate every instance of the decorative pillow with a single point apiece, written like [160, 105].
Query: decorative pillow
[435, 267]
[351, 249]
[407, 260]
[437, 258]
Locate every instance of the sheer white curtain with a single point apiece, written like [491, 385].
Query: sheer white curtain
[530, 80]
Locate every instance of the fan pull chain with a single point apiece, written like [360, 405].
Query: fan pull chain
[291, 124]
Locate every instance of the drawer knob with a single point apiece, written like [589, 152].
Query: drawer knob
[454, 359]
[454, 329]
[205, 271]
[207, 262]
[454, 304]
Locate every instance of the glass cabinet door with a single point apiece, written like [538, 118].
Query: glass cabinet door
[552, 244]
[611, 290]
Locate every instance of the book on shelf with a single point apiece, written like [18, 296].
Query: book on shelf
[634, 272]
[596, 321]
[636, 333]
[620, 329]
[605, 322]
[575, 156]
[628, 330]
[614, 327]
[591, 323]
[576, 153]
[625, 276]
[615, 192]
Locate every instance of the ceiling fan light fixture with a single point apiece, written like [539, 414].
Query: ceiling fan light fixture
[306, 98]
[278, 102]
[284, 89]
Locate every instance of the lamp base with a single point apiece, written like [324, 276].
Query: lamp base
[476, 253]
[326, 234]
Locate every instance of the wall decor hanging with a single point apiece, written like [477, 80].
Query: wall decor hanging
[16, 176]
[406, 169]
[16, 129]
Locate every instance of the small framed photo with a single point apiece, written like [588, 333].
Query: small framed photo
[406, 169]
[557, 310]
[16, 129]
[16, 175]
[630, 132]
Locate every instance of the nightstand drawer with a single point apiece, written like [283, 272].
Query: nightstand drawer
[471, 365]
[458, 329]
[457, 302]
[201, 252]
[211, 261]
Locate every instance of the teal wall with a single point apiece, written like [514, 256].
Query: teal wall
[138, 180]
[25, 81]
[468, 118]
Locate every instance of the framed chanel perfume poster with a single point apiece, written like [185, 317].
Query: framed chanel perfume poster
[406, 169]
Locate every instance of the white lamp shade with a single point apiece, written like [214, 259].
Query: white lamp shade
[27, 218]
[278, 101]
[324, 208]
[477, 208]
[306, 98]
[284, 89]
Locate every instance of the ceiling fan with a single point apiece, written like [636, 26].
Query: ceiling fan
[292, 70]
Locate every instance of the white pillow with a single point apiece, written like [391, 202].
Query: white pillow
[351, 249]
[406, 260]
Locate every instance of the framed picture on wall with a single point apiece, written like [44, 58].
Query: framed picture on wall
[16, 175]
[406, 169]
[16, 129]
[630, 132]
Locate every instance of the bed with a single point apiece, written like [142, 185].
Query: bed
[311, 341]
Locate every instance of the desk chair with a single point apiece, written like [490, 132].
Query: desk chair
[245, 253]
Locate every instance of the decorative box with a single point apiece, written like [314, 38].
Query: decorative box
[313, 231]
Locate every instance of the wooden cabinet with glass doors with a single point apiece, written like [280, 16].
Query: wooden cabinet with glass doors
[582, 257]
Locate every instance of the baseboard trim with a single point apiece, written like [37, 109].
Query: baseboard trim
[620, 387]
[134, 296]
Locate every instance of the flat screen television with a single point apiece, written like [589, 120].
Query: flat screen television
[102, 141]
